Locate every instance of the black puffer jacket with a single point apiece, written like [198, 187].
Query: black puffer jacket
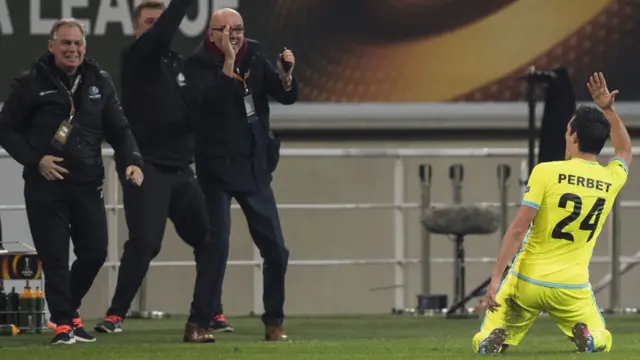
[39, 102]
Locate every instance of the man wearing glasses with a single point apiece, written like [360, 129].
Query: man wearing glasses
[236, 152]
[53, 124]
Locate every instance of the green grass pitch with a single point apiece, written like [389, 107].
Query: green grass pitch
[350, 337]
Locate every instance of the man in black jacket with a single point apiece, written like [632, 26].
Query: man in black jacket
[154, 101]
[236, 152]
[53, 123]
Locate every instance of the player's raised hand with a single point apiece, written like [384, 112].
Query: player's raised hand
[597, 86]
[492, 291]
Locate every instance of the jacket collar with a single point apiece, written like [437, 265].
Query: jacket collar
[47, 60]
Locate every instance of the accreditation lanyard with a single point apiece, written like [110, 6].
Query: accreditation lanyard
[74, 87]
[248, 98]
[242, 79]
[62, 134]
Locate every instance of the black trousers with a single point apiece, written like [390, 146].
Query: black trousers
[261, 213]
[57, 210]
[173, 194]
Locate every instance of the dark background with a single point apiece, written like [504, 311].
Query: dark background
[344, 48]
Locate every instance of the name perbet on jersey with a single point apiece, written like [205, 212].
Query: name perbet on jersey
[573, 199]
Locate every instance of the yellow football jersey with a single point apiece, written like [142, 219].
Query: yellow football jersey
[573, 199]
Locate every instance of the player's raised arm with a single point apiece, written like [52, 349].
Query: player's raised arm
[597, 86]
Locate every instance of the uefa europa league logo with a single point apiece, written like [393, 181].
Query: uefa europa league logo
[26, 271]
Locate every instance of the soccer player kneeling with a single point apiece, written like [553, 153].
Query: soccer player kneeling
[563, 211]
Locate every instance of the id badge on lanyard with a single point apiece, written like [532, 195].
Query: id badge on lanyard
[64, 130]
[249, 106]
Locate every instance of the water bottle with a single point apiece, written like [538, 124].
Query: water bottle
[13, 306]
[9, 330]
[39, 308]
[27, 319]
[3, 305]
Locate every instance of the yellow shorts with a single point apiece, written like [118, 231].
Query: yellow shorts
[523, 301]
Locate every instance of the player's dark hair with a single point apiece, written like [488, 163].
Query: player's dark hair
[591, 128]
[156, 5]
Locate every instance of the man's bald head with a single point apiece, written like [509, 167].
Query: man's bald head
[226, 17]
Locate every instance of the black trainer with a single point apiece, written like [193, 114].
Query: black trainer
[110, 324]
[220, 324]
[80, 333]
[64, 336]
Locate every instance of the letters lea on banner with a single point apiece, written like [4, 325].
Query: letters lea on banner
[107, 12]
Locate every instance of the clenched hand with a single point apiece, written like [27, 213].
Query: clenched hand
[288, 56]
[134, 174]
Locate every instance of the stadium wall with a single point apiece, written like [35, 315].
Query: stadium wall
[339, 234]
[358, 70]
